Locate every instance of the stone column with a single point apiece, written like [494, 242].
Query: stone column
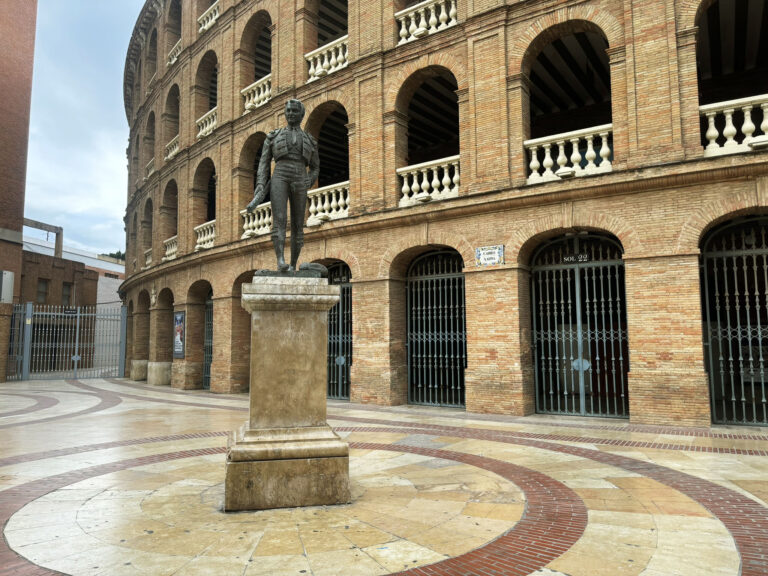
[286, 455]
[160, 346]
[6, 311]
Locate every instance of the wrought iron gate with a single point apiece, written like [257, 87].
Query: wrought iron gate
[208, 342]
[56, 342]
[340, 333]
[581, 353]
[437, 344]
[734, 270]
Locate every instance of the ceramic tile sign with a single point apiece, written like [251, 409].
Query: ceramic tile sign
[178, 334]
[489, 255]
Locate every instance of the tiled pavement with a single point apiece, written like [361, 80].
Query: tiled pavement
[114, 477]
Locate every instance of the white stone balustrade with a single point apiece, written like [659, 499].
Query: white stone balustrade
[435, 180]
[328, 203]
[258, 222]
[734, 139]
[149, 169]
[151, 84]
[172, 148]
[205, 234]
[208, 18]
[171, 248]
[258, 93]
[206, 123]
[147, 259]
[425, 18]
[174, 54]
[578, 153]
[328, 59]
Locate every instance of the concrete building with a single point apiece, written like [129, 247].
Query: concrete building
[553, 207]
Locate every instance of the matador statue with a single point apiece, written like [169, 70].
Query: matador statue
[297, 166]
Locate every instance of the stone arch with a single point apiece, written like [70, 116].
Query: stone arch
[572, 18]
[395, 261]
[201, 196]
[523, 241]
[689, 12]
[333, 151]
[247, 165]
[171, 115]
[205, 99]
[409, 73]
[149, 139]
[347, 256]
[341, 96]
[713, 213]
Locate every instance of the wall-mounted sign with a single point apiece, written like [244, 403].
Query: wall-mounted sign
[179, 329]
[489, 255]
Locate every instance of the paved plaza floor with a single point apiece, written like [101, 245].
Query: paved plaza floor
[112, 477]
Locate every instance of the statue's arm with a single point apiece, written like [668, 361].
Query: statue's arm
[314, 164]
[262, 175]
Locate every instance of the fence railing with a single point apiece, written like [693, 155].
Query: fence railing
[258, 93]
[208, 18]
[730, 125]
[578, 153]
[435, 180]
[174, 54]
[425, 18]
[258, 222]
[206, 123]
[171, 248]
[205, 235]
[328, 59]
[172, 148]
[328, 203]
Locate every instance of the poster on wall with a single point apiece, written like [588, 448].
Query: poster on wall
[178, 334]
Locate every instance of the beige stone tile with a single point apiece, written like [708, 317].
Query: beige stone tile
[363, 535]
[315, 539]
[506, 512]
[282, 565]
[279, 543]
[402, 555]
[352, 562]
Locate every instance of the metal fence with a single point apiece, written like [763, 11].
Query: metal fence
[56, 342]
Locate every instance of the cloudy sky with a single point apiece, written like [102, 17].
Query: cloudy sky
[76, 169]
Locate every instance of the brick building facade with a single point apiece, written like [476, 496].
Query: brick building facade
[609, 157]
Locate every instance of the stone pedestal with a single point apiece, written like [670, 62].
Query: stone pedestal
[286, 455]
[159, 373]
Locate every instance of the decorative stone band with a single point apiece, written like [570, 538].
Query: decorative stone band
[258, 93]
[328, 203]
[576, 154]
[328, 59]
[730, 128]
[172, 148]
[286, 443]
[208, 18]
[149, 169]
[258, 222]
[147, 259]
[171, 248]
[425, 18]
[207, 123]
[280, 293]
[205, 234]
[174, 54]
[434, 180]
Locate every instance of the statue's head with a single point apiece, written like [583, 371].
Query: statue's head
[294, 112]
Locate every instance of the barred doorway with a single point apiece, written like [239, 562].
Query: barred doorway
[340, 333]
[208, 342]
[734, 277]
[436, 325]
[581, 351]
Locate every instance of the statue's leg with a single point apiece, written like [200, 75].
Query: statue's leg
[298, 210]
[279, 201]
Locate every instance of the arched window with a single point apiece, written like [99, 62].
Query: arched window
[732, 64]
[206, 93]
[254, 61]
[199, 335]
[430, 166]
[152, 58]
[330, 50]
[149, 146]
[169, 221]
[173, 31]
[146, 235]
[203, 216]
[171, 123]
[569, 125]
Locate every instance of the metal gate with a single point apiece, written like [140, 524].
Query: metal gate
[734, 270]
[437, 344]
[56, 342]
[581, 353]
[340, 333]
[208, 342]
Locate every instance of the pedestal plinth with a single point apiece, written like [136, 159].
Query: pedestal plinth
[286, 455]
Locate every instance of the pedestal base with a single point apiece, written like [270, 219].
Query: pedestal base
[286, 468]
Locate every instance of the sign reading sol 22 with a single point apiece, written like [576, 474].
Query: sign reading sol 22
[489, 255]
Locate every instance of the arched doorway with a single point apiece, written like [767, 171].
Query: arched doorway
[340, 332]
[734, 277]
[208, 341]
[436, 329]
[580, 344]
